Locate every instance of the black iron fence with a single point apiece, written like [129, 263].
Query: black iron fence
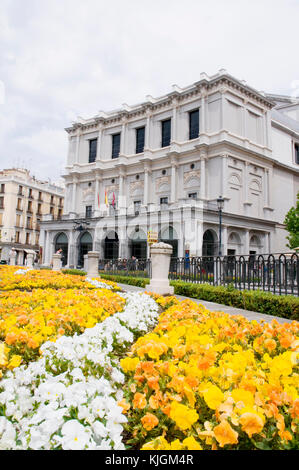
[126, 267]
[276, 273]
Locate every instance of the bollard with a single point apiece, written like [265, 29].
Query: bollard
[30, 260]
[160, 260]
[93, 264]
[57, 262]
[12, 257]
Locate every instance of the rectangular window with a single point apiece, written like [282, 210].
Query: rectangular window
[19, 205]
[163, 201]
[40, 196]
[30, 193]
[39, 209]
[194, 124]
[92, 150]
[1, 219]
[1, 202]
[140, 133]
[88, 211]
[192, 195]
[29, 206]
[17, 237]
[18, 220]
[20, 192]
[52, 200]
[166, 133]
[297, 154]
[37, 239]
[59, 213]
[2, 188]
[52, 210]
[29, 223]
[115, 145]
[137, 206]
[27, 238]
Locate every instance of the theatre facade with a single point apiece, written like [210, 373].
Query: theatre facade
[160, 166]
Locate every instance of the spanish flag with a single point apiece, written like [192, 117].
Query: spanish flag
[106, 199]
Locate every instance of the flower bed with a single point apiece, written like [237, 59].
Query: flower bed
[68, 399]
[207, 380]
[28, 319]
[13, 277]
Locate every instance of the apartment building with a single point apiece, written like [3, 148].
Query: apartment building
[23, 202]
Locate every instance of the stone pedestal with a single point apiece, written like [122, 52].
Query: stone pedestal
[57, 262]
[30, 260]
[85, 264]
[93, 264]
[160, 260]
[12, 257]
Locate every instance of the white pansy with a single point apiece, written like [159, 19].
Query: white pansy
[77, 378]
[7, 434]
[74, 435]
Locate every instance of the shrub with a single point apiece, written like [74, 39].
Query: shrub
[75, 272]
[285, 306]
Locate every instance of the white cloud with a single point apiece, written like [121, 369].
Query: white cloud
[64, 58]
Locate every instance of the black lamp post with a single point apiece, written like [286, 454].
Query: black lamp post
[220, 204]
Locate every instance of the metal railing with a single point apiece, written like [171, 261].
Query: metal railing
[126, 267]
[276, 273]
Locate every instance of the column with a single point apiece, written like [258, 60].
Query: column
[174, 123]
[270, 186]
[121, 196]
[203, 158]
[269, 129]
[123, 138]
[245, 182]
[223, 175]
[71, 249]
[246, 243]
[202, 122]
[147, 131]
[266, 187]
[74, 192]
[99, 143]
[222, 112]
[46, 254]
[77, 146]
[97, 195]
[146, 181]
[224, 240]
[173, 180]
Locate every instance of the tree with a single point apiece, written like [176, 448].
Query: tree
[292, 225]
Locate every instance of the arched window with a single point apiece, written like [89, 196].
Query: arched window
[210, 243]
[85, 245]
[168, 235]
[61, 242]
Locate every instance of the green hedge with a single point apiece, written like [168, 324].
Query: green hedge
[132, 281]
[77, 272]
[285, 306]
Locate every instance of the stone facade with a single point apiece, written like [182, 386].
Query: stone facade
[245, 151]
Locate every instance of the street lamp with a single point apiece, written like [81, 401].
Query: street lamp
[220, 205]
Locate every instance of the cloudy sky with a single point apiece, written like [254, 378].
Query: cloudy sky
[60, 59]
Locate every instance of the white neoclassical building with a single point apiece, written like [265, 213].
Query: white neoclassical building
[161, 165]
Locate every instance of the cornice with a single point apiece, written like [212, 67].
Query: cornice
[175, 97]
